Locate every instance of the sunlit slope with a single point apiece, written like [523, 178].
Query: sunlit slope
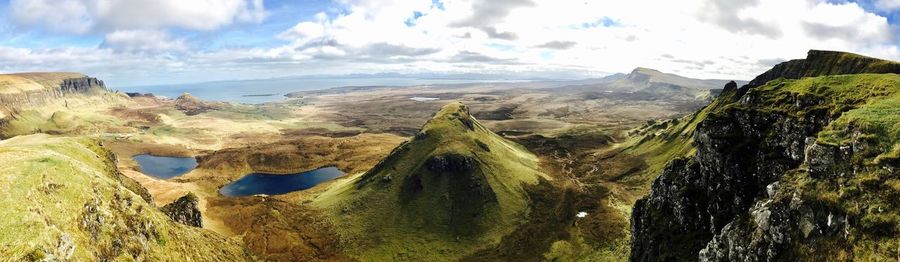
[63, 199]
[454, 188]
[17, 83]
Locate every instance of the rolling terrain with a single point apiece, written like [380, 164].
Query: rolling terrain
[800, 162]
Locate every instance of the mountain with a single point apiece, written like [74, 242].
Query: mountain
[63, 199]
[651, 84]
[643, 78]
[799, 164]
[32, 89]
[454, 188]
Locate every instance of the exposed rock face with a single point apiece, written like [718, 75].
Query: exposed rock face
[80, 85]
[736, 159]
[191, 105]
[451, 163]
[138, 94]
[185, 210]
[728, 203]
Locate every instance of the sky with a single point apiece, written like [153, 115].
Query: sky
[155, 42]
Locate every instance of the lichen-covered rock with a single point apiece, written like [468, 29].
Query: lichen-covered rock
[185, 210]
[451, 163]
[773, 228]
[764, 186]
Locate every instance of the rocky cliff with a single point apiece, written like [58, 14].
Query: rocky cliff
[794, 165]
[33, 89]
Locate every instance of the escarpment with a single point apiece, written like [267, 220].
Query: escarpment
[795, 165]
[34, 89]
[819, 63]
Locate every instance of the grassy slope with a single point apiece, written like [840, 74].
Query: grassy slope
[658, 142]
[16, 83]
[379, 221]
[63, 198]
[75, 114]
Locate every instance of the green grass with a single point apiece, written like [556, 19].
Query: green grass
[866, 108]
[51, 186]
[658, 142]
[379, 218]
[833, 63]
[878, 120]
[58, 122]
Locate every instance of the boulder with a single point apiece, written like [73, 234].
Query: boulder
[185, 210]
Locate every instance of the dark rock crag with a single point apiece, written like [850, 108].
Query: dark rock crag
[185, 210]
[725, 202]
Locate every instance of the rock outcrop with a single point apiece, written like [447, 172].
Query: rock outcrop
[34, 89]
[185, 210]
[192, 105]
[751, 191]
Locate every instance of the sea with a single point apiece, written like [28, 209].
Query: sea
[273, 90]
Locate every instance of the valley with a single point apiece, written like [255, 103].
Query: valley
[574, 170]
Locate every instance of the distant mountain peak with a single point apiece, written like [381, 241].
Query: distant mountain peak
[645, 70]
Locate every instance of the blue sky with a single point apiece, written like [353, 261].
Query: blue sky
[150, 42]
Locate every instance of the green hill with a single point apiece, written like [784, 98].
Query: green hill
[454, 188]
[63, 199]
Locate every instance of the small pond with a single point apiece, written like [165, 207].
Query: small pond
[423, 99]
[165, 167]
[272, 184]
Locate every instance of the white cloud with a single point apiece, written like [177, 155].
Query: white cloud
[142, 40]
[697, 38]
[194, 14]
[61, 15]
[304, 30]
[76, 16]
[887, 5]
